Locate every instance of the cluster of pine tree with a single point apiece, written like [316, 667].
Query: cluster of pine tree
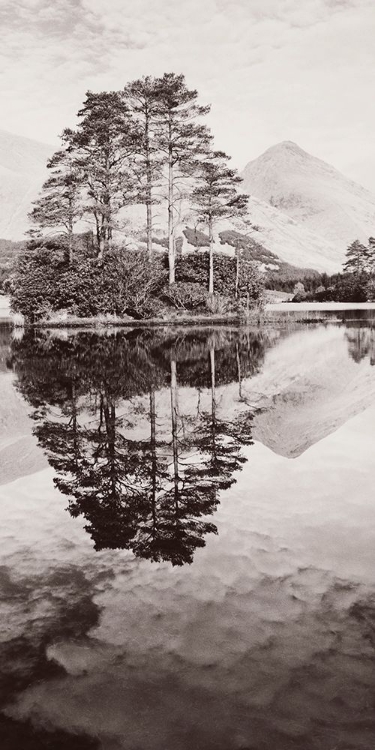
[355, 284]
[143, 145]
[360, 258]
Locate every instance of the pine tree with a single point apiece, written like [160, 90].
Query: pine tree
[357, 258]
[216, 197]
[142, 96]
[371, 256]
[181, 141]
[102, 145]
[59, 206]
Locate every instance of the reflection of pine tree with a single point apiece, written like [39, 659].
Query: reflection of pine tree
[361, 343]
[150, 495]
[220, 441]
[105, 485]
[174, 528]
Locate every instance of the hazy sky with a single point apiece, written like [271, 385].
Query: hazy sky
[273, 70]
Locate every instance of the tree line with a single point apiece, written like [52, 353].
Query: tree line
[145, 145]
[356, 283]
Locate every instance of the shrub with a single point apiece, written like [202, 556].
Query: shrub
[194, 268]
[220, 305]
[351, 287]
[186, 295]
[124, 282]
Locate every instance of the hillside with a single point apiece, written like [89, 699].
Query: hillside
[313, 194]
[22, 172]
[302, 211]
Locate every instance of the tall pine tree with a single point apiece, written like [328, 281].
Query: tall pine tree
[103, 144]
[371, 256]
[142, 96]
[59, 206]
[216, 197]
[356, 258]
[181, 140]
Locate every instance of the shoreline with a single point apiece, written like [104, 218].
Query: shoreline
[272, 314]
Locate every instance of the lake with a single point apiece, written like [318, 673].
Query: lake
[187, 557]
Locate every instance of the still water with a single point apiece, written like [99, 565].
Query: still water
[187, 526]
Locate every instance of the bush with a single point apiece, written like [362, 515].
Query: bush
[221, 305]
[186, 295]
[123, 283]
[194, 268]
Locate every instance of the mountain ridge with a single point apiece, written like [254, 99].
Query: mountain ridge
[313, 193]
[292, 215]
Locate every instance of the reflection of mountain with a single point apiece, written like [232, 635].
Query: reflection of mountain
[306, 390]
[266, 642]
[309, 387]
[19, 454]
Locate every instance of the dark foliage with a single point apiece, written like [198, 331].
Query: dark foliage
[122, 283]
[186, 295]
[9, 252]
[196, 238]
[194, 268]
[348, 287]
[287, 276]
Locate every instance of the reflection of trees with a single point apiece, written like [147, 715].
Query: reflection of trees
[361, 343]
[151, 494]
[220, 440]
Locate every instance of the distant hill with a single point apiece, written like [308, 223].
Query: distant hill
[314, 195]
[251, 249]
[8, 253]
[303, 212]
[22, 173]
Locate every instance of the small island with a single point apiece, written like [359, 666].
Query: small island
[142, 220]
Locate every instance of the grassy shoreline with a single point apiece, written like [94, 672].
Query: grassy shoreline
[270, 315]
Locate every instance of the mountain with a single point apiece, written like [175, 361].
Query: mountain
[313, 194]
[22, 172]
[303, 212]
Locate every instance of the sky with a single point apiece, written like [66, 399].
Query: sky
[272, 70]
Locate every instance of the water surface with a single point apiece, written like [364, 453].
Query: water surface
[188, 539]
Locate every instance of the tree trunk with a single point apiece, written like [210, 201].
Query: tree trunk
[148, 189]
[171, 242]
[74, 421]
[153, 454]
[70, 247]
[109, 411]
[101, 247]
[213, 402]
[239, 373]
[70, 233]
[174, 411]
[211, 267]
[237, 269]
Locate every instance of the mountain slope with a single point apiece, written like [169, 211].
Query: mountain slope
[22, 172]
[313, 194]
[317, 210]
